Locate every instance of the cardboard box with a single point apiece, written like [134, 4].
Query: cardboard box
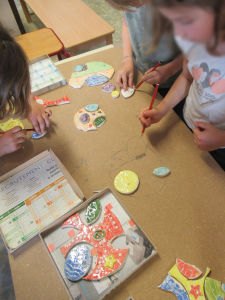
[33, 196]
[98, 255]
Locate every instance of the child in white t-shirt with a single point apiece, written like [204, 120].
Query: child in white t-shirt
[199, 28]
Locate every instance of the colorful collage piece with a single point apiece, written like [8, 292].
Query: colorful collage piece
[97, 248]
[214, 289]
[108, 259]
[89, 117]
[171, 285]
[92, 73]
[184, 281]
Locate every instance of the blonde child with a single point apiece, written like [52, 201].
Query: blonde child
[199, 27]
[15, 94]
[140, 50]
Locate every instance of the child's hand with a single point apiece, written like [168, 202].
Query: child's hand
[160, 75]
[125, 75]
[12, 140]
[39, 117]
[148, 117]
[208, 137]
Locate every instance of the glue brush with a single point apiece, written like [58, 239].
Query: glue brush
[146, 75]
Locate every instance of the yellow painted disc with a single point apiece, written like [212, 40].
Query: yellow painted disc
[11, 123]
[126, 182]
[115, 94]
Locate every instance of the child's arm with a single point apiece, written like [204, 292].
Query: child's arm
[177, 93]
[125, 75]
[12, 140]
[207, 137]
[39, 117]
[164, 72]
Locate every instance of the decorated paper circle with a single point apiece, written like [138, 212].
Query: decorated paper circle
[89, 117]
[78, 262]
[126, 182]
[11, 123]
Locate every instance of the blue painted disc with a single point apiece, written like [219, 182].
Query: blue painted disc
[78, 262]
[37, 136]
[80, 68]
[91, 107]
[96, 80]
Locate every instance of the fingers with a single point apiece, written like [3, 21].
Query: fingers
[41, 122]
[145, 117]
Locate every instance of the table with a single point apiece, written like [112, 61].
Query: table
[183, 214]
[75, 23]
[39, 43]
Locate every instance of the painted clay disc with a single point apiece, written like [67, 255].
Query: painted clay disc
[78, 262]
[108, 87]
[96, 79]
[99, 121]
[161, 171]
[91, 107]
[93, 211]
[89, 118]
[80, 68]
[11, 123]
[115, 94]
[127, 93]
[37, 136]
[126, 182]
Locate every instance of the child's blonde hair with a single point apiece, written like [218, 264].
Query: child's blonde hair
[217, 6]
[14, 78]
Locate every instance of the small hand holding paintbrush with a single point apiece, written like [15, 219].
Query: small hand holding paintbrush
[151, 103]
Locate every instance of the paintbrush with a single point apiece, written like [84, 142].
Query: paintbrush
[146, 77]
[26, 129]
[151, 103]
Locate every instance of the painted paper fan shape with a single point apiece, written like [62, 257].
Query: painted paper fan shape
[187, 270]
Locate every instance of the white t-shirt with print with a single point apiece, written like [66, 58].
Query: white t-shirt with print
[206, 98]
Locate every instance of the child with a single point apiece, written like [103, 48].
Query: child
[15, 94]
[139, 49]
[199, 27]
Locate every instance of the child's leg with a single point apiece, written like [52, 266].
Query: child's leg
[6, 285]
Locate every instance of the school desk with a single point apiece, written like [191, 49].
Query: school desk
[75, 23]
[40, 42]
[183, 213]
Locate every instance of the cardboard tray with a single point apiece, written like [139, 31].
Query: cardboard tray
[133, 240]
